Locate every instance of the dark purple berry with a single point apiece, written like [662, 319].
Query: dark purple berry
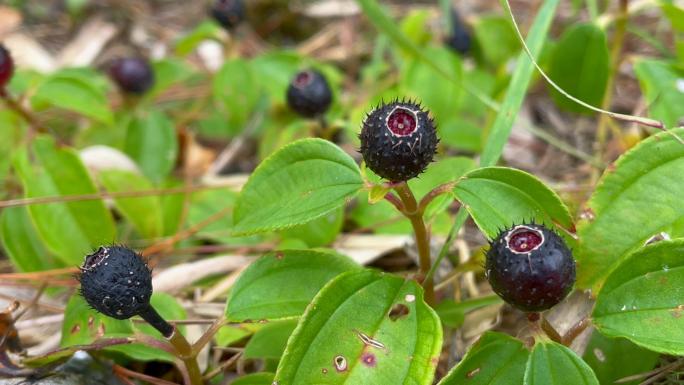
[459, 38]
[309, 93]
[530, 267]
[6, 66]
[133, 75]
[398, 140]
[117, 282]
[228, 13]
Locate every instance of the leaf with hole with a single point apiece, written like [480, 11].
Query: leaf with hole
[637, 197]
[497, 197]
[281, 284]
[297, 184]
[495, 359]
[396, 339]
[641, 300]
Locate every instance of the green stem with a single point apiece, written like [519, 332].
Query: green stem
[415, 215]
[187, 355]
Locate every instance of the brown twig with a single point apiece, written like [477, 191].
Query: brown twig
[121, 371]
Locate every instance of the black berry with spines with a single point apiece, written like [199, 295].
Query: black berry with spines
[133, 75]
[117, 282]
[530, 267]
[228, 13]
[459, 37]
[398, 140]
[309, 93]
[6, 67]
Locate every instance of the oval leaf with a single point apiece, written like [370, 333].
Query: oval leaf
[70, 229]
[364, 327]
[580, 65]
[21, 242]
[151, 141]
[281, 284]
[615, 358]
[641, 300]
[497, 197]
[495, 359]
[143, 212]
[74, 93]
[638, 197]
[298, 183]
[551, 363]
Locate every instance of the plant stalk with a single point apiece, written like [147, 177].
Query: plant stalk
[187, 355]
[412, 212]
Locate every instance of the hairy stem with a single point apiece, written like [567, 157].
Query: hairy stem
[412, 212]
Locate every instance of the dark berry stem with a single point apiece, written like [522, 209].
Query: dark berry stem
[415, 215]
[156, 321]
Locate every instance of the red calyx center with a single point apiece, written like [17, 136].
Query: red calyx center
[524, 240]
[303, 79]
[402, 122]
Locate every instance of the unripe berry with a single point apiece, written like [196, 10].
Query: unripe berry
[398, 140]
[133, 75]
[309, 93]
[6, 66]
[228, 13]
[117, 282]
[530, 267]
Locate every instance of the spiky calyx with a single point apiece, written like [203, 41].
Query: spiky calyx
[309, 93]
[133, 75]
[530, 267]
[228, 13]
[6, 66]
[398, 140]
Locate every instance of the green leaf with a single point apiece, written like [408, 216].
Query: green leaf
[82, 325]
[143, 212]
[21, 241]
[320, 232]
[236, 91]
[638, 197]
[453, 313]
[661, 82]
[580, 64]
[494, 40]
[166, 73]
[270, 341]
[501, 129]
[70, 229]
[255, 379]
[74, 93]
[497, 197]
[641, 299]
[616, 358]
[151, 141]
[204, 31]
[364, 327]
[297, 184]
[495, 359]
[281, 284]
[551, 363]
[12, 132]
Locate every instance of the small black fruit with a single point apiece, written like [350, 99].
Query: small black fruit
[398, 140]
[530, 267]
[133, 75]
[6, 66]
[459, 38]
[228, 13]
[117, 282]
[309, 93]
